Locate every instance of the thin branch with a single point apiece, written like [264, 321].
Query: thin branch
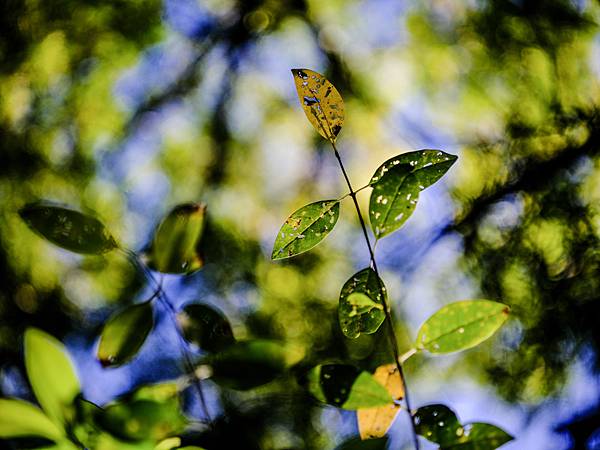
[386, 307]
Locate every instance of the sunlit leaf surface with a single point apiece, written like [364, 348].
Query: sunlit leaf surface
[124, 334]
[346, 387]
[322, 103]
[206, 327]
[427, 166]
[361, 302]
[439, 424]
[67, 228]
[20, 419]
[51, 375]
[461, 325]
[176, 243]
[305, 228]
[375, 422]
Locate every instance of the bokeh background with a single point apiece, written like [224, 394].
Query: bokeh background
[127, 108]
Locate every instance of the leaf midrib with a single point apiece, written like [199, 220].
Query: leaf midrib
[333, 203]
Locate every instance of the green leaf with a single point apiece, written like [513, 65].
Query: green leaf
[22, 419]
[461, 325]
[305, 228]
[176, 243]
[346, 387]
[205, 327]
[439, 424]
[124, 334]
[248, 364]
[361, 303]
[322, 103]
[142, 420]
[68, 228]
[51, 375]
[356, 443]
[427, 166]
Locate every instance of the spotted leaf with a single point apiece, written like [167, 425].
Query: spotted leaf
[322, 103]
[428, 166]
[67, 228]
[305, 228]
[361, 303]
[461, 325]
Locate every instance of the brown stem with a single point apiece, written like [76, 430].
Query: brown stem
[388, 316]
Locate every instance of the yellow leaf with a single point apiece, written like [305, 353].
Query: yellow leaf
[322, 103]
[375, 422]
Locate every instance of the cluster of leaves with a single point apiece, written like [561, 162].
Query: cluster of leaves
[151, 417]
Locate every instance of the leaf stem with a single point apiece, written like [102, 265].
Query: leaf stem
[162, 296]
[356, 191]
[391, 332]
[406, 356]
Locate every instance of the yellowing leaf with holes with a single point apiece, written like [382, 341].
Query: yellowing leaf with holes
[322, 103]
[305, 228]
[375, 422]
[461, 325]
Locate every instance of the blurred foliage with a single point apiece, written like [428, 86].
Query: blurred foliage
[512, 83]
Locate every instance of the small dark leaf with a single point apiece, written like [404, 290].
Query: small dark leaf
[305, 228]
[206, 327]
[124, 334]
[346, 387]
[248, 364]
[67, 228]
[439, 424]
[357, 444]
[176, 243]
[361, 303]
[322, 103]
[427, 166]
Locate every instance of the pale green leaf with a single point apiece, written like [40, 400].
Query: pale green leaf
[322, 103]
[21, 419]
[176, 243]
[361, 303]
[51, 375]
[346, 387]
[461, 325]
[305, 228]
[124, 334]
[67, 228]
[427, 166]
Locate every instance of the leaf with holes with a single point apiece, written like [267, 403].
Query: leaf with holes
[322, 103]
[67, 228]
[51, 374]
[461, 325]
[21, 419]
[361, 303]
[305, 228]
[176, 242]
[439, 424]
[206, 327]
[393, 200]
[346, 387]
[375, 422]
[427, 166]
[124, 334]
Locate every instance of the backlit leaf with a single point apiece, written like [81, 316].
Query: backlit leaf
[176, 243]
[206, 327]
[305, 228]
[67, 228]
[461, 325]
[361, 302]
[322, 103]
[124, 334]
[248, 364]
[51, 375]
[21, 419]
[427, 166]
[439, 424]
[375, 422]
[346, 387]
[393, 200]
